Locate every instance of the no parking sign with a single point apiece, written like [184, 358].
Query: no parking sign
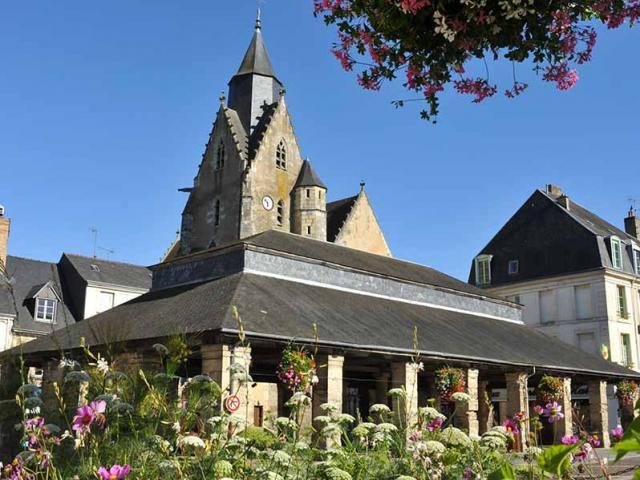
[232, 403]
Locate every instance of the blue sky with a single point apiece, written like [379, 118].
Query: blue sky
[105, 108]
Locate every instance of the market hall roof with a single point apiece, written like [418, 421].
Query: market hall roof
[280, 307]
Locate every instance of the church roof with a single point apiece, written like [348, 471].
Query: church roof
[279, 309]
[308, 177]
[337, 213]
[256, 60]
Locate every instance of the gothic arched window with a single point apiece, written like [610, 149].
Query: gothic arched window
[220, 156]
[216, 213]
[281, 155]
[280, 213]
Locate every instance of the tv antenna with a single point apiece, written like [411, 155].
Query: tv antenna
[97, 247]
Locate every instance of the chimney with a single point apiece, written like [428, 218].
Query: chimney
[565, 202]
[554, 190]
[632, 224]
[4, 238]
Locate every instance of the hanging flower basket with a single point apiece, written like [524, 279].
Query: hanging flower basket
[449, 381]
[297, 370]
[626, 391]
[550, 389]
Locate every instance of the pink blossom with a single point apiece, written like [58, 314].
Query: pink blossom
[564, 78]
[435, 425]
[412, 6]
[116, 472]
[87, 414]
[554, 412]
[479, 88]
[539, 409]
[570, 439]
[618, 432]
[511, 426]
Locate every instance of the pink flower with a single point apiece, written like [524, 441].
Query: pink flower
[618, 432]
[511, 427]
[114, 473]
[435, 425]
[412, 6]
[539, 409]
[479, 88]
[554, 412]
[570, 439]
[565, 79]
[87, 414]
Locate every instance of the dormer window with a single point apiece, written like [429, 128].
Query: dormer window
[281, 155]
[220, 156]
[616, 253]
[514, 267]
[483, 269]
[45, 310]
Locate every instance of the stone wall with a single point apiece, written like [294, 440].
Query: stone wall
[361, 229]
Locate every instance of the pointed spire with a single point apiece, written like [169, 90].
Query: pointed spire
[308, 177]
[256, 60]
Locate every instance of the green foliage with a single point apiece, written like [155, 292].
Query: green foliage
[630, 442]
[556, 460]
[259, 437]
[505, 472]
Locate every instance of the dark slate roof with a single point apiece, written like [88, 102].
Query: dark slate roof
[280, 310]
[256, 60]
[337, 213]
[547, 240]
[308, 177]
[261, 128]
[115, 273]
[24, 278]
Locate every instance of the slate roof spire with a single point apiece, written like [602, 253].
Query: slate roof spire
[255, 83]
[308, 177]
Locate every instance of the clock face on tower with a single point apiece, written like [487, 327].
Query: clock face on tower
[267, 202]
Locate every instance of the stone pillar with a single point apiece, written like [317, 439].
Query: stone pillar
[329, 388]
[467, 413]
[404, 374]
[565, 426]
[518, 400]
[52, 382]
[217, 362]
[598, 410]
[382, 387]
[485, 408]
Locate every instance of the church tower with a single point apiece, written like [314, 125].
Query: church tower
[252, 177]
[255, 85]
[309, 216]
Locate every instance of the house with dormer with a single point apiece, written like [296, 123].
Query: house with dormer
[577, 275]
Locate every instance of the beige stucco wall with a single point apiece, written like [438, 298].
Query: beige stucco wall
[266, 396]
[361, 229]
[120, 296]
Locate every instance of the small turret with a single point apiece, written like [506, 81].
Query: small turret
[309, 212]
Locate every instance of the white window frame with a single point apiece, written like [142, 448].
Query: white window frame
[636, 259]
[53, 306]
[516, 271]
[626, 353]
[101, 295]
[616, 242]
[623, 306]
[482, 259]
